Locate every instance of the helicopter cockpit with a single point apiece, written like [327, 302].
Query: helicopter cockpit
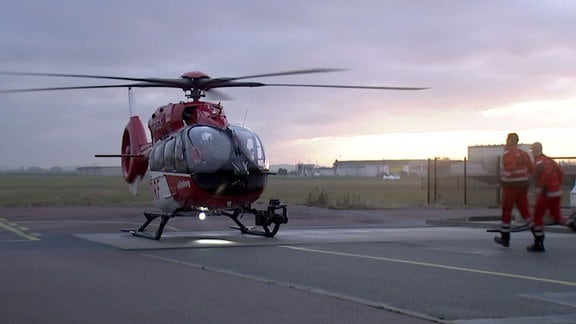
[209, 149]
[211, 154]
[225, 161]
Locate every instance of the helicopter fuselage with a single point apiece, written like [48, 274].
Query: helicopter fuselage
[208, 167]
[199, 162]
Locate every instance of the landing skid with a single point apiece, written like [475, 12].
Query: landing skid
[268, 219]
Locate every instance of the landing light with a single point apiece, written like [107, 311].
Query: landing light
[202, 212]
[213, 242]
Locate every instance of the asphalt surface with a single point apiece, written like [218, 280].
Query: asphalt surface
[70, 265]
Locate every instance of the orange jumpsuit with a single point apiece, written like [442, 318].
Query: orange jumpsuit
[516, 170]
[549, 177]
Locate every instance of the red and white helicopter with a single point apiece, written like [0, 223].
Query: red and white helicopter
[197, 162]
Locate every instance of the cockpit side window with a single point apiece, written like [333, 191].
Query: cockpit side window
[179, 158]
[250, 145]
[157, 157]
[169, 162]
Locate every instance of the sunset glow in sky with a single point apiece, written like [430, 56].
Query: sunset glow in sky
[492, 67]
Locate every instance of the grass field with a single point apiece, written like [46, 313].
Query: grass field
[347, 193]
[67, 190]
[330, 192]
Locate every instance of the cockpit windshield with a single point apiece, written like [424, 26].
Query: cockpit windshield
[251, 145]
[207, 149]
[211, 149]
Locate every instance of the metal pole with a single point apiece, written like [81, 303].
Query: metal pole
[465, 182]
[428, 183]
[435, 181]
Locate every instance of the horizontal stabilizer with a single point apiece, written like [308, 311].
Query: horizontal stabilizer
[118, 155]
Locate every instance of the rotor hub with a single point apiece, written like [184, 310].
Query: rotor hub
[195, 75]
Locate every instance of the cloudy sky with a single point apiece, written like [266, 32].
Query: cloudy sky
[493, 67]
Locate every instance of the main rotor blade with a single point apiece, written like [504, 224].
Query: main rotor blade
[163, 80]
[294, 72]
[337, 86]
[134, 85]
[213, 94]
[205, 84]
[89, 76]
[229, 82]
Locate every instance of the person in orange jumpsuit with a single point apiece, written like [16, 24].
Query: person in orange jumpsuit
[517, 168]
[549, 178]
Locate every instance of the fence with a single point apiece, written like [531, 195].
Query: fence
[452, 183]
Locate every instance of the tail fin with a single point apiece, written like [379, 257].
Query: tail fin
[135, 151]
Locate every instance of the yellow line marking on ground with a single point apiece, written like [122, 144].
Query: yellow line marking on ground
[16, 231]
[435, 265]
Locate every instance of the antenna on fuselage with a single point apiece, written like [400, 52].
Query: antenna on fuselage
[244, 121]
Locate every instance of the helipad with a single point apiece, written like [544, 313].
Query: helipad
[197, 239]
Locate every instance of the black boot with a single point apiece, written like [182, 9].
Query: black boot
[538, 245]
[503, 240]
[572, 226]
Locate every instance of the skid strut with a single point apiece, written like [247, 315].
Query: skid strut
[269, 219]
[150, 216]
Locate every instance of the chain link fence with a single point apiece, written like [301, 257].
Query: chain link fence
[457, 183]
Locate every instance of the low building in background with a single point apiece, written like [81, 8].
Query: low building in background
[489, 156]
[380, 168]
[99, 171]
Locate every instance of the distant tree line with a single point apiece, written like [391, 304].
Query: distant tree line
[37, 170]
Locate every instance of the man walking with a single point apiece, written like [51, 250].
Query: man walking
[549, 177]
[514, 180]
